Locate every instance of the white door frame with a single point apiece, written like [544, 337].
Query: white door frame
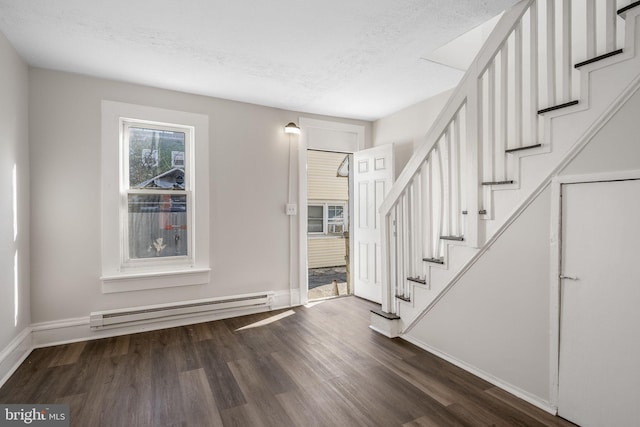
[315, 135]
[555, 267]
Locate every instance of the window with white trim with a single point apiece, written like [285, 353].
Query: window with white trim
[326, 218]
[155, 198]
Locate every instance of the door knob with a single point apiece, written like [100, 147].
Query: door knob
[568, 277]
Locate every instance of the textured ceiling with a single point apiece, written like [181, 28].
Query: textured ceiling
[348, 58]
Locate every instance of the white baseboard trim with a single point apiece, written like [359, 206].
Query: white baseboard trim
[526, 396]
[14, 354]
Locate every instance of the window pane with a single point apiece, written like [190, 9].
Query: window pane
[315, 212]
[336, 228]
[335, 213]
[315, 222]
[157, 225]
[156, 158]
[315, 226]
[335, 219]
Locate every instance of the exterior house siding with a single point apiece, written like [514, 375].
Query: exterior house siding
[324, 186]
[326, 252]
[322, 182]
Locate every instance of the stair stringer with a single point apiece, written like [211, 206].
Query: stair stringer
[580, 144]
[605, 86]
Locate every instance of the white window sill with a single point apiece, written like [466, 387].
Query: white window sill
[127, 282]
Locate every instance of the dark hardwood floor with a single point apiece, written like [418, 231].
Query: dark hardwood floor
[309, 366]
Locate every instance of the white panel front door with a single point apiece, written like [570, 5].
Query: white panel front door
[373, 173]
[599, 372]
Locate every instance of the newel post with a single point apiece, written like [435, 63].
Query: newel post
[385, 228]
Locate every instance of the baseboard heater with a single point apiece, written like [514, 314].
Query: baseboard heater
[152, 313]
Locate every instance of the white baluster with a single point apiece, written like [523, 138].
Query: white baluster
[517, 82]
[591, 29]
[503, 122]
[406, 256]
[533, 67]
[420, 221]
[446, 182]
[400, 247]
[462, 169]
[410, 237]
[455, 176]
[566, 63]
[429, 207]
[412, 228]
[551, 53]
[473, 132]
[439, 199]
[417, 232]
[611, 21]
[426, 215]
[490, 112]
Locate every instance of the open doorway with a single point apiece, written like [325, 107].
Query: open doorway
[328, 222]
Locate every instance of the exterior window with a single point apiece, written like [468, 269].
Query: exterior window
[157, 191]
[326, 218]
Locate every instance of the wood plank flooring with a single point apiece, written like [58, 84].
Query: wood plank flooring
[308, 366]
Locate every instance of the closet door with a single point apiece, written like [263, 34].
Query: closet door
[599, 373]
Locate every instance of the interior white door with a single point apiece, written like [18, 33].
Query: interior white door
[599, 371]
[373, 176]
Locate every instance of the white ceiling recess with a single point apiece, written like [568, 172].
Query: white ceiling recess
[358, 58]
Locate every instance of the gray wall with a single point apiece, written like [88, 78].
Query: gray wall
[248, 171]
[408, 128]
[496, 318]
[14, 153]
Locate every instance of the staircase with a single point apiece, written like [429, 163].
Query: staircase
[521, 112]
